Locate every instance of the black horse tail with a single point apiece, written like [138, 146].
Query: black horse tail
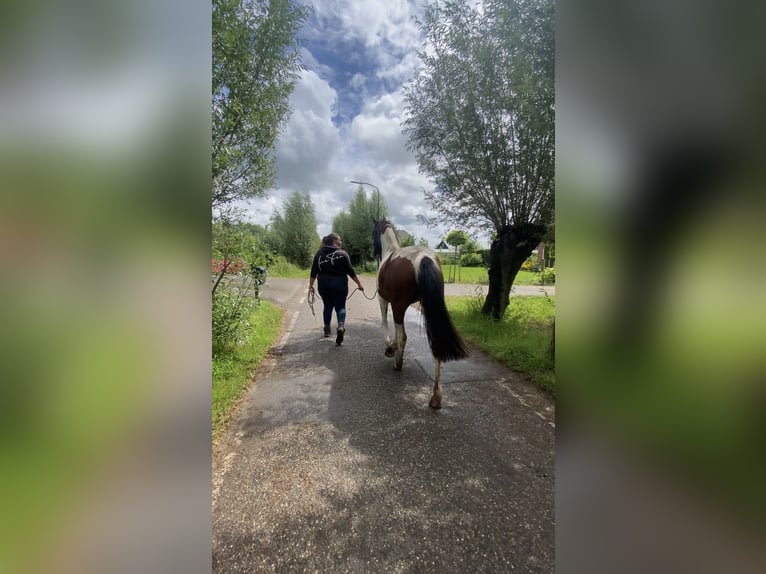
[446, 344]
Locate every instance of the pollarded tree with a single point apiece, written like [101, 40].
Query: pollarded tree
[456, 238]
[255, 66]
[480, 119]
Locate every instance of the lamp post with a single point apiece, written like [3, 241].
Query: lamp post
[372, 185]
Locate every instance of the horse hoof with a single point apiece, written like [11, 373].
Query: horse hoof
[434, 404]
[389, 352]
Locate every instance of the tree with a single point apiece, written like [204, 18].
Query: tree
[295, 229]
[355, 225]
[255, 65]
[405, 239]
[480, 120]
[456, 238]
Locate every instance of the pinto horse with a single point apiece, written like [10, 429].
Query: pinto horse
[407, 275]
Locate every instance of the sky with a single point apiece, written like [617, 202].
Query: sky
[347, 110]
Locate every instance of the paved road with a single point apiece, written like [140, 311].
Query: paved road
[335, 462]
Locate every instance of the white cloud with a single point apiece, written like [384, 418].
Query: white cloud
[384, 27]
[377, 131]
[313, 94]
[309, 141]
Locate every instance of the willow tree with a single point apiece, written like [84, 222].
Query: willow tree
[255, 65]
[480, 120]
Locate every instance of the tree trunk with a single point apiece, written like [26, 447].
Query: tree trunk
[514, 244]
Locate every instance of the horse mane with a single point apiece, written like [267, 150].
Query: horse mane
[383, 223]
[379, 230]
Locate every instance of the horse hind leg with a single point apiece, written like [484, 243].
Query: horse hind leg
[436, 398]
[384, 323]
[401, 341]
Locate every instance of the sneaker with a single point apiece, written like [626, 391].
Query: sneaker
[327, 331]
[339, 338]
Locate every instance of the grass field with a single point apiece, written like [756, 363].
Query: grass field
[478, 276]
[468, 275]
[521, 340]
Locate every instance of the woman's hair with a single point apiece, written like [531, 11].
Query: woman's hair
[330, 239]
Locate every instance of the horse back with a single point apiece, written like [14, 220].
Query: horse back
[397, 283]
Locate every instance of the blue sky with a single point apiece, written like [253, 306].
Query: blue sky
[347, 114]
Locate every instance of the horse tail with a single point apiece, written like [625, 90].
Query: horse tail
[446, 344]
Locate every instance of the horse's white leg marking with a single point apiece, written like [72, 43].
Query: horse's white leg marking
[401, 340]
[436, 399]
[384, 323]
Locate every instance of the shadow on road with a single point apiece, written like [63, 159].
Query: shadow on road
[344, 467]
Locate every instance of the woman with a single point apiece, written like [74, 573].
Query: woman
[332, 265]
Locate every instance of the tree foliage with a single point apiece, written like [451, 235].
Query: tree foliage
[457, 237]
[295, 229]
[480, 120]
[355, 225]
[481, 113]
[255, 65]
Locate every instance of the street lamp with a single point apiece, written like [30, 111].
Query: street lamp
[372, 185]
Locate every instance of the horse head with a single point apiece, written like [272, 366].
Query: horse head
[378, 227]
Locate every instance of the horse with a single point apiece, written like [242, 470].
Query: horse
[408, 275]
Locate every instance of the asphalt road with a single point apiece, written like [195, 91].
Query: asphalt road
[335, 462]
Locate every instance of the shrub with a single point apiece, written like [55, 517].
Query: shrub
[548, 276]
[530, 264]
[232, 265]
[231, 309]
[471, 260]
[281, 267]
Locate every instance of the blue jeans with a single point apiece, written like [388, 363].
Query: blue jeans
[333, 289]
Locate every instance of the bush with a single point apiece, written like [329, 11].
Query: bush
[231, 310]
[281, 267]
[471, 260]
[530, 264]
[369, 267]
[232, 266]
[548, 276]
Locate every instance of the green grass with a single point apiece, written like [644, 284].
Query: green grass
[232, 371]
[281, 268]
[521, 340]
[478, 276]
[467, 275]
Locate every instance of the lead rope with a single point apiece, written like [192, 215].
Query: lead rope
[363, 293]
[312, 297]
[310, 300]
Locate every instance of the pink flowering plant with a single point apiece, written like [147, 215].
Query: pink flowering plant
[231, 266]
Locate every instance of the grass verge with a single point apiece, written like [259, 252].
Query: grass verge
[521, 340]
[468, 275]
[232, 371]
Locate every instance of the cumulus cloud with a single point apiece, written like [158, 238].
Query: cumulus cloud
[310, 139]
[377, 131]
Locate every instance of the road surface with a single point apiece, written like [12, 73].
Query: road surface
[335, 463]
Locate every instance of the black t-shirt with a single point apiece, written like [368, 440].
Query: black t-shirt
[332, 261]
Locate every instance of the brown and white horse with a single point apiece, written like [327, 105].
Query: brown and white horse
[408, 275]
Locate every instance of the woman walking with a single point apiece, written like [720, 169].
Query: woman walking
[332, 266]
